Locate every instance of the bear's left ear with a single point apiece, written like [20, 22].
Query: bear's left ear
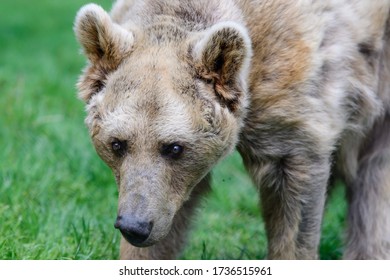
[223, 56]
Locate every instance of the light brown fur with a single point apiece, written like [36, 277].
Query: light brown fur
[301, 88]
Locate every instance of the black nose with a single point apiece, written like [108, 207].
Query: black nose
[133, 230]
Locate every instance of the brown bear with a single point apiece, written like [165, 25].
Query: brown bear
[300, 88]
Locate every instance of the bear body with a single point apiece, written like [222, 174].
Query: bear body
[300, 88]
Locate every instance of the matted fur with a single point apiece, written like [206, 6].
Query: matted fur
[301, 88]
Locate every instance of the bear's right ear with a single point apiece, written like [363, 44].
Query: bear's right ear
[99, 36]
[104, 42]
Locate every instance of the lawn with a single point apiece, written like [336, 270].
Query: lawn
[57, 199]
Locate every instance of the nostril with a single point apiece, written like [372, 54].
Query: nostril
[134, 231]
[117, 224]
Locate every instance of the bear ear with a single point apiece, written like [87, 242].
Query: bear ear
[223, 56]
[99, 36]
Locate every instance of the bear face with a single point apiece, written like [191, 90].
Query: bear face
[164, 105]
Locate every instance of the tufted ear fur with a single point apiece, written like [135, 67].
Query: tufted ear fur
[99, 36]
[223, 57]
[105, 44]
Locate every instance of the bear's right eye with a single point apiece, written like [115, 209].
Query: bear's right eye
[118, 147]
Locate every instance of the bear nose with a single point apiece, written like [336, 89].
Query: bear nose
[134, 230]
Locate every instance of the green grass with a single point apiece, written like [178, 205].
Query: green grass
[57, 199]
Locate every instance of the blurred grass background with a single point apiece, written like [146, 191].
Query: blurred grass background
[57, 199]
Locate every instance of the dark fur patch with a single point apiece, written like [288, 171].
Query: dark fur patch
[366, 49]
[369, 52]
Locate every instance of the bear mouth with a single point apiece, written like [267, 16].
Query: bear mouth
[136, 240]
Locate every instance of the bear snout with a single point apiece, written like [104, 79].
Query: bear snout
[135, 231]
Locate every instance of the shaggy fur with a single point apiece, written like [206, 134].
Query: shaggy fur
[301, 88]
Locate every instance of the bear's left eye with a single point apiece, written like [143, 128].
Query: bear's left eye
[172, 151]
[118, 147]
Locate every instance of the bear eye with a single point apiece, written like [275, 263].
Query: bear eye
[172, 151]
[118, 147]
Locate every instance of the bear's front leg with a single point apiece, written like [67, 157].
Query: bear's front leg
[292, 190]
